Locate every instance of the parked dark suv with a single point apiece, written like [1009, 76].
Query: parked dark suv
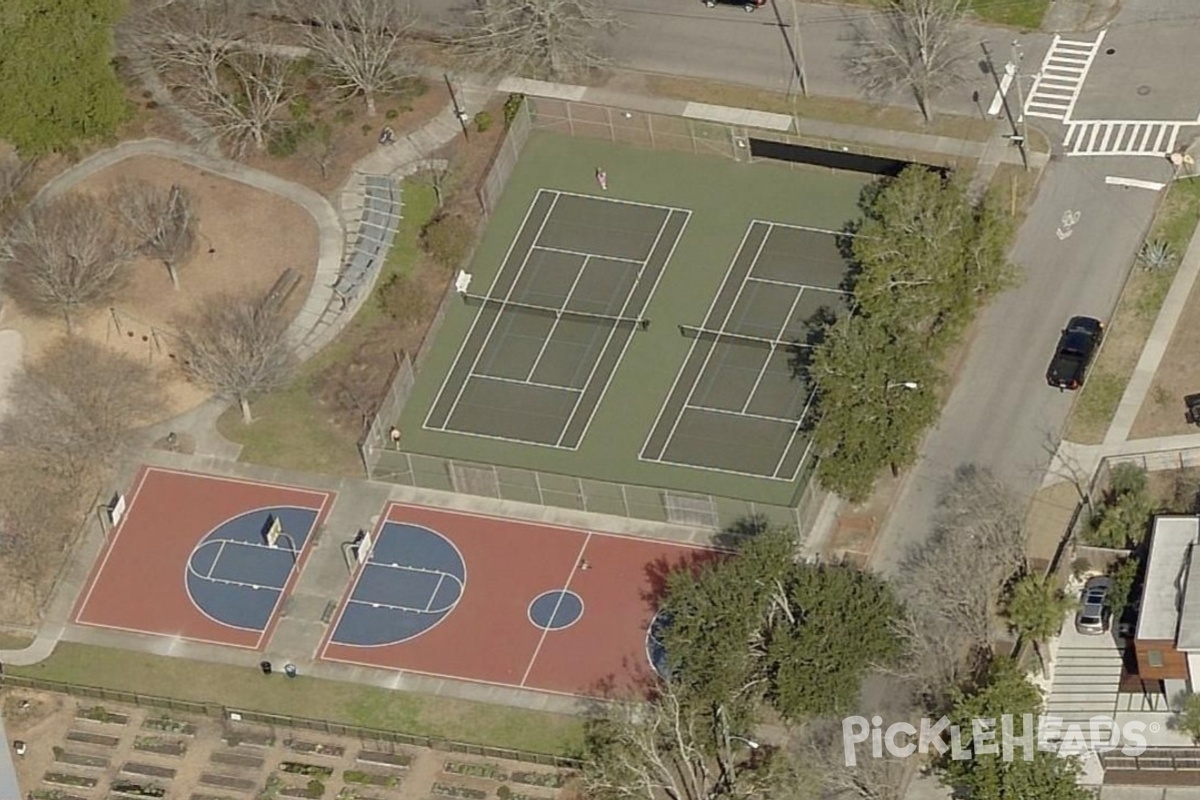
[747, 5]
[1076, 347]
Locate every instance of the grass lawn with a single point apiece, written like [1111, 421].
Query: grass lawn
[291, 428]
[348, 703]
[14, 641]
[1024, 14]
[823, 108]
[1136, 313]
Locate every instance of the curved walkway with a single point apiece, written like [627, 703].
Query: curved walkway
[330, 240]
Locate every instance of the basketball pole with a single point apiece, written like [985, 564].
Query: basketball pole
[105, 522]
[348, 554]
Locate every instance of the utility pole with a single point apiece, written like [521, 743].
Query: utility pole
[798, 45]
[1021, 138]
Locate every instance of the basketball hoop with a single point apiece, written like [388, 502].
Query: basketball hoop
[274, 531]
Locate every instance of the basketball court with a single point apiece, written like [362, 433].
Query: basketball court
[740, 401]
[203, 558]
[552, 329]
[505, 602]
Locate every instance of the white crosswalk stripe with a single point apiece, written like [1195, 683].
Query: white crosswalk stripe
[1121, 138]
[1058, 83]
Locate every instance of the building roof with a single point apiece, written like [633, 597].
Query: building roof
[1188, 637]
[1171, 545]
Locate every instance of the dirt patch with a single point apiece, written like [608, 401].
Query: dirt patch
[47, 722]
[324, 164]
[1162, 412]
[246, 238]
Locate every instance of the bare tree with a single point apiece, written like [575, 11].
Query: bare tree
[912, 45]
[66, 255]
[162, 221]
[321, 148]
[821, 745]
[184, 39]
[358, 44]
[13, 173]
[237, 347]
[245, 98]
[78, 406]
[35, 521]
[200, 50]
[667, 749]
[536, 38]
[953, 584]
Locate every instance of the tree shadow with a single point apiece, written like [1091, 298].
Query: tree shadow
[800, 354]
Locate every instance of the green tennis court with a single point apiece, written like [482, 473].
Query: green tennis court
[740, 401]
[645, 341]
[552, 329]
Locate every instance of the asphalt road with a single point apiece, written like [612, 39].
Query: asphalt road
[683, 37]
[1001, 414]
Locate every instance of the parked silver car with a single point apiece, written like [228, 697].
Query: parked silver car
[1093, 615]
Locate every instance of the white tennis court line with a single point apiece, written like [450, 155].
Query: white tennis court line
[724, 321]
[654, 289]
[618, 201]
[806, 287]
[691, 350]
[387, 607]
[804, 228]
[731, 413]
[557, 319]
[808, 444]
[479, 314]
[613, 332]
[496, 320]
[581, 254]
[767, 362]
[537, 384]
[558, 604]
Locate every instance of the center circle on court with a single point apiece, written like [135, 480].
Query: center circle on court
[555, 610]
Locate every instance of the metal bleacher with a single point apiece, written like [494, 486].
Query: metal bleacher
[380, 217]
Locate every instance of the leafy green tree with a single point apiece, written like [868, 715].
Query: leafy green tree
[1124, 575]
[1036, 607]
[876, 388]
[57, 83]
[1189, 716]
[1125, 516]
[763, 627]
[988, 776]
[836, 624]
[928, 255]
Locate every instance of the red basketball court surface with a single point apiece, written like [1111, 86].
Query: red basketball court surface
[505, 602]
[188, 558]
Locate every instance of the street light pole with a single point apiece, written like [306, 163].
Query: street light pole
[1022, 139]
[904, 385]
[799, 47]
[753, 745]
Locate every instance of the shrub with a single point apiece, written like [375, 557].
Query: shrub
[343, 115]
[483, 121]
[401, 298]
[391, 113]
[447, 238]
[512, 106]
[300, 107]
[288, 139]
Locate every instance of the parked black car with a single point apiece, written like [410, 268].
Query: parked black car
[1076, 348]
[747, 5]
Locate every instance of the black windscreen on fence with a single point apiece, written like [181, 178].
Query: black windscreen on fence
[852, 162]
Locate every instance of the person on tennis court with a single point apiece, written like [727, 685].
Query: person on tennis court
[602, 178]
[394, 435]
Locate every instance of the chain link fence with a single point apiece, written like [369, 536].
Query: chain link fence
[219, 711]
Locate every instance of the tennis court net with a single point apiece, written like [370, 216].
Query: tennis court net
[640, 323]
[709, 335]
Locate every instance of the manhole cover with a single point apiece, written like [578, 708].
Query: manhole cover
[1110, 51]
[1143, 90]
